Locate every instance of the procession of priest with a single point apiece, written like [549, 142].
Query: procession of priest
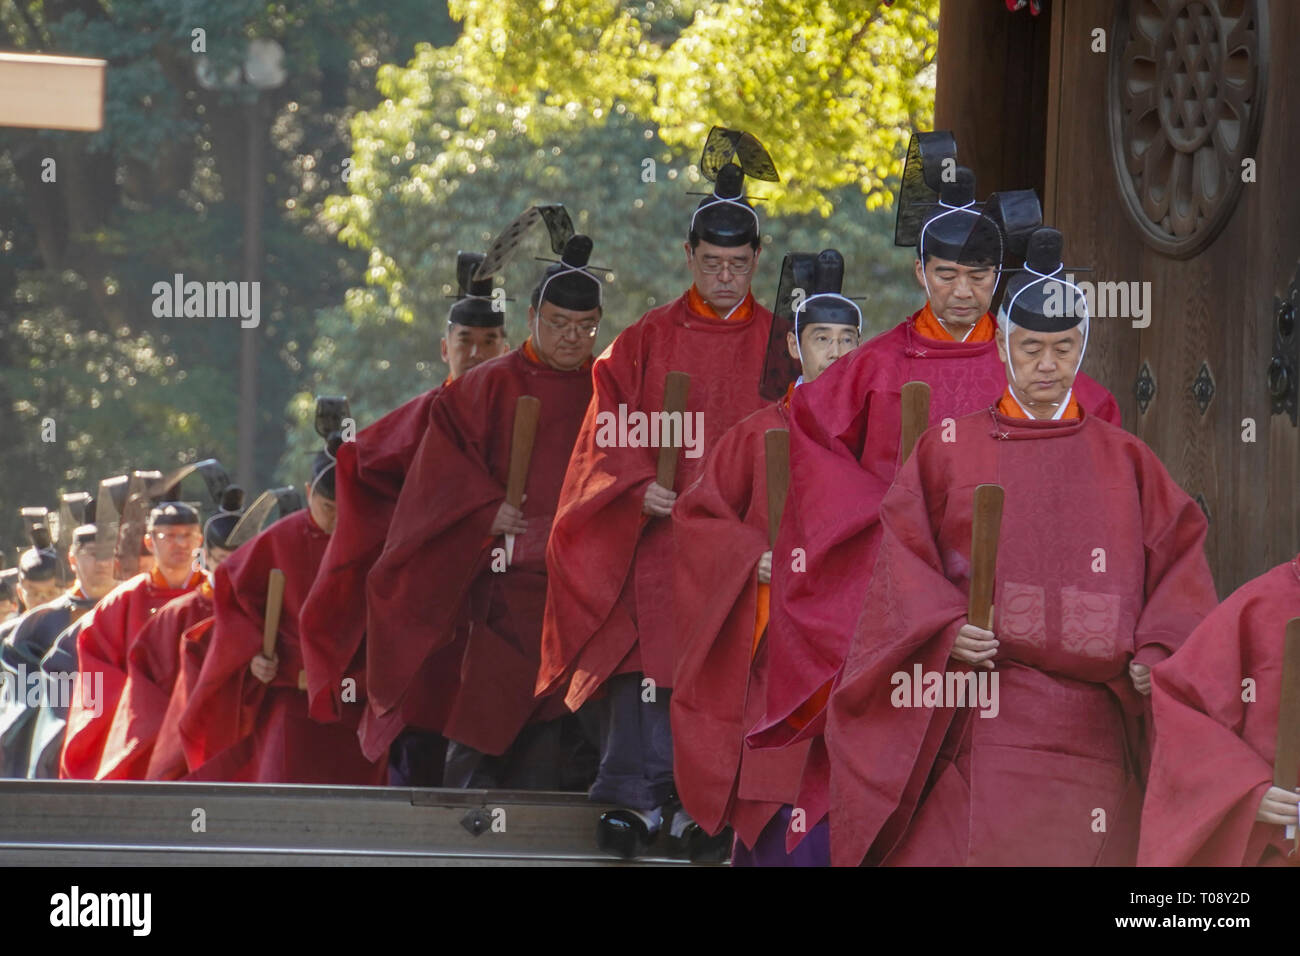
[773, 593]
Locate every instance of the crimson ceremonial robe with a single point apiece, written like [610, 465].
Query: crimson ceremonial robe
[1101, 561]
[1213, 756]
[167, 762]
[609, 608]
[720, 526]
[844, 436]
[441, 566]
[235, 727]
[102, 648]
[152, 666]
[368, 476]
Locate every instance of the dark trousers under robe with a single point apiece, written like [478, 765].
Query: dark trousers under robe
[636, 753]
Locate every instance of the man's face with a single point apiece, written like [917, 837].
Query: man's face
[35, 593]
[958, 294]
[8, 609]
[464, 346]
[173, 546]
[216, 555]
[94, 577]
[722, 273]
[323, 510]
[564, 337]
[1044, 363]
[822, 344]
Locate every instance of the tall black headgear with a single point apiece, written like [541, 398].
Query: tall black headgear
[725, 218]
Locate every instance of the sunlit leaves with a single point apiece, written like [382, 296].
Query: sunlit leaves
[833, 87]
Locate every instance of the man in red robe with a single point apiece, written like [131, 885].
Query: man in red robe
[609, 607]
[724, 569]
[1100, 574]
[105, 641]
[224, 533]
[473, 557]
[154, 658]
[844, 443]
[1210, 797]
[369, 476]
[247, 720]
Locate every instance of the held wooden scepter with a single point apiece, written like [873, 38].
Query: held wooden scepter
[776, 448]
[528, 409]
[271, 620]
[986, 526]
[1286, 758]
[776, 455]
[677, 386]
[274, 604]
[915, 408]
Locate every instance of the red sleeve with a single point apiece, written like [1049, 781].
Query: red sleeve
[101, 674]
[439, 536]
[827, 542]
[151, 671]
[368, 479]
[1213, 758]
[720, 531]
[1179, 589]
[880, 754]
[227, 697]
[167, 762]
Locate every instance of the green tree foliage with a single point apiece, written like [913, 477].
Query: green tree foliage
[834, 87]
[159, 191]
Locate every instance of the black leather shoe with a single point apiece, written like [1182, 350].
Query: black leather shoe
[686, 839]
[624, 832]
[702, 848]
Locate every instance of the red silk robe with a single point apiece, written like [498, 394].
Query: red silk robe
[237, 728]
[440, 566]
[844, 436]
[152, 666]
[1101, 562]
[1213, 756]
[721, 530]
[609, 608]
[102, 648]
[368, 480]
[167, 762]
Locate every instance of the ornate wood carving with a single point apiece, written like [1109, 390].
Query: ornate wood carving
[1185, 101]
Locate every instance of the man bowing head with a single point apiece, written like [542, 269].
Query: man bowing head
[457, 596]
[956, 742]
